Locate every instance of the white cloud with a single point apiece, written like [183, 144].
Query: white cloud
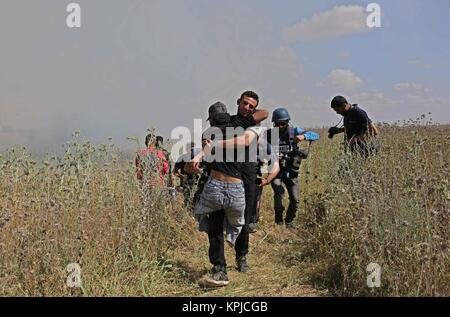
[344, 80]
[412, 87]
[407, 104]
[376, 99]
[337, 22]
[413, 93]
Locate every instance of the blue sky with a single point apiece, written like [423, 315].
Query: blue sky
[413, 44]
[139, 64]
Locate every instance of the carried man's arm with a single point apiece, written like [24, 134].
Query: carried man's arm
[249, 136]
[240, 141]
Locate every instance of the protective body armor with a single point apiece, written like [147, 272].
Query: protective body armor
[290, 155]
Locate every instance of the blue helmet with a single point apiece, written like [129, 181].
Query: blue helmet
[280, 114]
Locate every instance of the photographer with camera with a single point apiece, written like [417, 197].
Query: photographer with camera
[191, 184]
[290, 157]
[358, 127]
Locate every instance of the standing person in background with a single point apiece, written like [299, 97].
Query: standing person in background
[358, 127]
[160, 147]
[192, 184]
[152, 163]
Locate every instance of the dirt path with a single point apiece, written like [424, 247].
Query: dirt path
[272, 273]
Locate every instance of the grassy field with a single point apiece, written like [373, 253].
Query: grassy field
[86, 207]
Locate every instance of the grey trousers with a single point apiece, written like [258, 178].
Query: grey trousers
[293, 189]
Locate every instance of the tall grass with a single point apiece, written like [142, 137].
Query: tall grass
[86, 208]
[391, 209]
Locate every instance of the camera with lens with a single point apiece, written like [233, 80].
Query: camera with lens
[333, 131]
[296, 159]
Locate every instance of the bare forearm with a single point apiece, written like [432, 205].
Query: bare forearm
[193, 167]
[273, 172]
[240, 141]
[260, 115]
[373, 130]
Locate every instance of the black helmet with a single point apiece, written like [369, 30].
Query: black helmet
[280, 114]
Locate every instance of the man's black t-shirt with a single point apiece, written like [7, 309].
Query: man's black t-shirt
[232, 167]
[356, 122]
[250, 166]
[244, 122]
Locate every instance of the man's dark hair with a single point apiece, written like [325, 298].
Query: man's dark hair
[338, 102]
[250, 94]
[148, 138]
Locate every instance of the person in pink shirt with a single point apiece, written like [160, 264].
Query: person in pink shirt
[153, 162]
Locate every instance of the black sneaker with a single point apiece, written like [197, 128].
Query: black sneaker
[218, 278]
[242, 265]
[252, 228]
[290, 225]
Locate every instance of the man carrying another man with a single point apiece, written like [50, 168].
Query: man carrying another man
[223, 198]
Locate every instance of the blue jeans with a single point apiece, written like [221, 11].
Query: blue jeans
[221, 203]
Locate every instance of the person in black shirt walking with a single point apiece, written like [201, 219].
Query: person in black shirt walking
[358, 127]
